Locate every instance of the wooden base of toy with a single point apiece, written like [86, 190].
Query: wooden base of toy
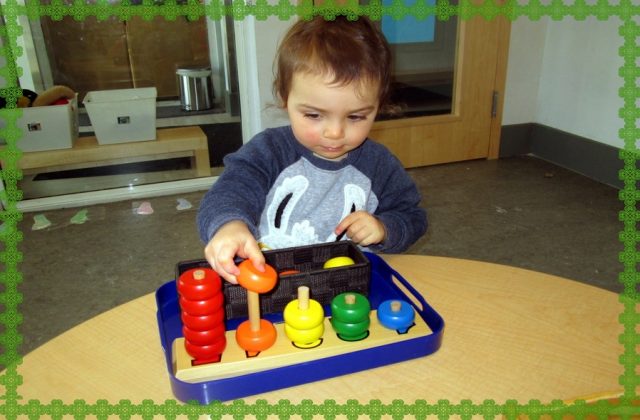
[235, 362]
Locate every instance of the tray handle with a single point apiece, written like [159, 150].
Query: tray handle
[381, 266]
[434, 320]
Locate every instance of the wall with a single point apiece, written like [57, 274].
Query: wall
[268, 36]
[564, 74]
[526, 51]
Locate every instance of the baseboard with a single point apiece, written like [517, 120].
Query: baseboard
[590, 158]
[112, 195]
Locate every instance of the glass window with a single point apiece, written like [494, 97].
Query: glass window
[93, 55]
[424, 52]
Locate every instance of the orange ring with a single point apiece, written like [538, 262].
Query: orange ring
[256, 341]
[256, 281]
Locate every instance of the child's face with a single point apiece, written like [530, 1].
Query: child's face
[328, 119]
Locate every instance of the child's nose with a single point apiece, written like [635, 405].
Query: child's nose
[334, 130]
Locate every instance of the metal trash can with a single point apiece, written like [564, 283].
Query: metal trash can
[196, 90]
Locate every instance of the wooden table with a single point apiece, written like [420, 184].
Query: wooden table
[509, 334]
[87, 153]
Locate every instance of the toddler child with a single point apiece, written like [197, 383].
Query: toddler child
[319, 179]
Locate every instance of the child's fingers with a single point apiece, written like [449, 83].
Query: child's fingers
[228, 272]
[345, 223]
[226, 267]
[227, 264]
[362, 228]
[358, 233]
[254, 253]
[222, 261]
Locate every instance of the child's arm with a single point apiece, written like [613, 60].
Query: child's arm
[231, 240]
[236, 201]
[398, 206]
[400, 212]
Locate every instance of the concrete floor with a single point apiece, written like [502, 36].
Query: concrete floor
[518, 211]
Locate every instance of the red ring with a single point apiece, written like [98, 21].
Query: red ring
[203, 322]
[206, 352]
[202, 307]
[203, 338]
[199, 289]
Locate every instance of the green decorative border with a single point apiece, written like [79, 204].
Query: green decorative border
[12, 405]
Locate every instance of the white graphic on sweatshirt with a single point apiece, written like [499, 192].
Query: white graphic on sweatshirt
[296, 216]
[301, 232]
[305, 204]
[354, 200]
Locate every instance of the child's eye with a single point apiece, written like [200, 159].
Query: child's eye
[357, 117]
[312, 115]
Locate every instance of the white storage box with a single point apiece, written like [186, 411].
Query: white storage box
[122, 115]
[49, 127]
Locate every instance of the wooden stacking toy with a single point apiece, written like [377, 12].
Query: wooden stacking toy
[350, 316]
[304, 320]
[201, 302]
[396, 315]
[294, 343]
[255, 334]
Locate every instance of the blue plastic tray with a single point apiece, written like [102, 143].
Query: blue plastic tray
[382, 287]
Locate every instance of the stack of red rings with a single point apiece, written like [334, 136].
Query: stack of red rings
[202, 304]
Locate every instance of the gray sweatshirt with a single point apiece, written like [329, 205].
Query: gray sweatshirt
[287, 196]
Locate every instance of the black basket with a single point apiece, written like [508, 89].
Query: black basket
[324, 284]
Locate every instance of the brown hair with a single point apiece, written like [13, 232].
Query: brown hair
[350, 51]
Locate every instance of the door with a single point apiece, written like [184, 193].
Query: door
[470, 127]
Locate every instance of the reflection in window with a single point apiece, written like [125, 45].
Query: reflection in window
[112, 54]
[423, 63]
[92, 54]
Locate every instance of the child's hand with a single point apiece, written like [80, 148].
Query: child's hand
[231, 240]
[362, 228]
